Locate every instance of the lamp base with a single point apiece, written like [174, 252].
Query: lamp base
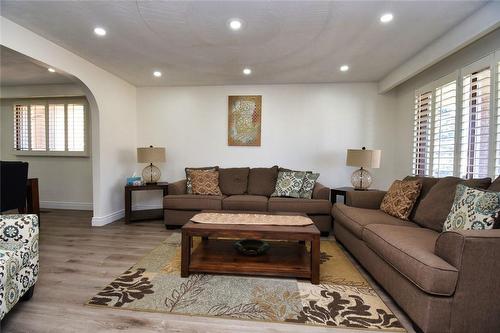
[361, 180]
[151, 174]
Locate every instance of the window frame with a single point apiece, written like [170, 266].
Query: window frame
[46, 101]
[490, 61]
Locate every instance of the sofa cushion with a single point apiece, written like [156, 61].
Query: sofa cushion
[307, 206]
[495, 185]
[356, 219]
[233, 180]
[262, 181]
[193, 202]
[436, 205]
[411, 252]
[400, 198]
[245, 202]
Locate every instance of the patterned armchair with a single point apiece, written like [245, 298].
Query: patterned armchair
[18, 259]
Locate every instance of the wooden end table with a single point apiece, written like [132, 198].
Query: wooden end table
[144, 214]
[342, 191]
[284, 259]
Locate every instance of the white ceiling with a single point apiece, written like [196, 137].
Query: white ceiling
[19, 70]
[283, 42]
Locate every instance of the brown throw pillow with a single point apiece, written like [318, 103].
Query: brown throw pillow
[401, 197]
[205, 182]
[188, 176]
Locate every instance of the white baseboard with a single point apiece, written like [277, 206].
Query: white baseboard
[99, 221]
[146, 206]
[66, 205]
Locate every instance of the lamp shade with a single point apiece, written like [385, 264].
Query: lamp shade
[150, 154]
[363, 158]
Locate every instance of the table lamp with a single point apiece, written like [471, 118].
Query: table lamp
[363, 158]
[151, 173]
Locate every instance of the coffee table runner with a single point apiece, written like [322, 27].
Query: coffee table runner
[253, 219]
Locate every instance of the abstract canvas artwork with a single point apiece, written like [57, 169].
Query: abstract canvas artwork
[244, 120]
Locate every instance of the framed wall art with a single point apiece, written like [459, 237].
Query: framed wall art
[244, 120]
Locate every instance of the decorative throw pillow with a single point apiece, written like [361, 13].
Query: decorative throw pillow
[289, 184]
[188, 176]
[307, 187]
[401, 198]
[473, 209]
[205, 182]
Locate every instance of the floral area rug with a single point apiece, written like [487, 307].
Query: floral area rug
[342, 299]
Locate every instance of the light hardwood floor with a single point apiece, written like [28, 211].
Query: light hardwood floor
[76, 261]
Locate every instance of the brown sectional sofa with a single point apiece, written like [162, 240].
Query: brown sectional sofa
[444, 281]
[246, 189]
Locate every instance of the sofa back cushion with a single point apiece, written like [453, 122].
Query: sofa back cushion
[262, 181]
[434, 208]
[495, 185]
[427, 184]
[233, 181]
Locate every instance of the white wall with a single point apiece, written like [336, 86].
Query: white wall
[305, 127]
[113, 107]
[406, 94]
[41, 90]
[64, 182]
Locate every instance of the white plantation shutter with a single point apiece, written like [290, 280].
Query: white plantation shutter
[37, 119]
[475, 133]
[497, 159]
[76, 127]
[443, 145]
[21, 131]
[422, 133]
[57, 122]
[58, 127]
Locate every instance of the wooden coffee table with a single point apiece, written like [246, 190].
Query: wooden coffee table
[287, 257]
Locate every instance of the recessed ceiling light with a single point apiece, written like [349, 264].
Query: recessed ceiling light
[386, 18]
[52, 70]
[100, 31]
[157, 73]
[344, 68]
[235, 24]
[247, 71]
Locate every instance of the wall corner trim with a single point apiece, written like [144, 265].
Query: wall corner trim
[66, 205]
[99, 221]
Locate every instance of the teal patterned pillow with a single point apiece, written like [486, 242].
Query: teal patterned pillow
[307, 187]
[289, 184]
[473, 209]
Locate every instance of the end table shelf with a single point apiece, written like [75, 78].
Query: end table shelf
[145, 214]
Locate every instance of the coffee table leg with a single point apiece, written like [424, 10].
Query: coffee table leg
[315, 253]
[185, 254]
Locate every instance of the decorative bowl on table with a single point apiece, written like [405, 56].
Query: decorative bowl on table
[252, 247]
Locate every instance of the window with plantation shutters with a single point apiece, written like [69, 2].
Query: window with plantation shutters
[422, 133]
[475, 133]
[44, 127]
[457, 123]
[443, 133]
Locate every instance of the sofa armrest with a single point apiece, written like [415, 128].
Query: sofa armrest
[455, 246]
[177, 188]
[17, 230]
[365, 199]
[475, 254]
[320, 191]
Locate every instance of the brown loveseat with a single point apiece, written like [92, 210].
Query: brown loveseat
[246, 189]
[444, 281]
